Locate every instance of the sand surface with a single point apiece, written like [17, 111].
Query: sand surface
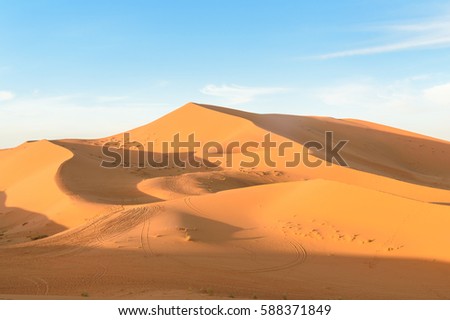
[377, 229]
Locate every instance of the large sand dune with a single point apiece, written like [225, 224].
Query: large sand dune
[374, 229]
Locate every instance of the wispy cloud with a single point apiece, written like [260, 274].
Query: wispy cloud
[404, 94]
[423, 35]
[418, 104]
[439, 94]
[235, 94]
[6, 95]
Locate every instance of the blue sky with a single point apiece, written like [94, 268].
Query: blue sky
[94, 68]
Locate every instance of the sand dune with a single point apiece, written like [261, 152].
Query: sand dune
[33, 203]
[69, 226]
[374, 148]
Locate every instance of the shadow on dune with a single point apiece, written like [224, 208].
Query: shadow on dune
[402, 157]
[129, 274]
[115, 225]
[17, 224]
[83, 175]
[441, 203]
[205, 230]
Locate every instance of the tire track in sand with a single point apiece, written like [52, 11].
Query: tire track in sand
[300, 256]
[188, 202]
[144, 238]
[145, 231]
[41, 285]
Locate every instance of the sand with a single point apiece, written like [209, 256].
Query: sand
[374, 230]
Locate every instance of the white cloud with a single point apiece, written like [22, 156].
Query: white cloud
[439, 94]
[6, 95]
[411, 103]
[403, 94]
[413, 44]
[440, 24]
[423, 35]
[369, 96]
[235, 94]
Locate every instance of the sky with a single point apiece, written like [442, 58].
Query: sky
[88, 69]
